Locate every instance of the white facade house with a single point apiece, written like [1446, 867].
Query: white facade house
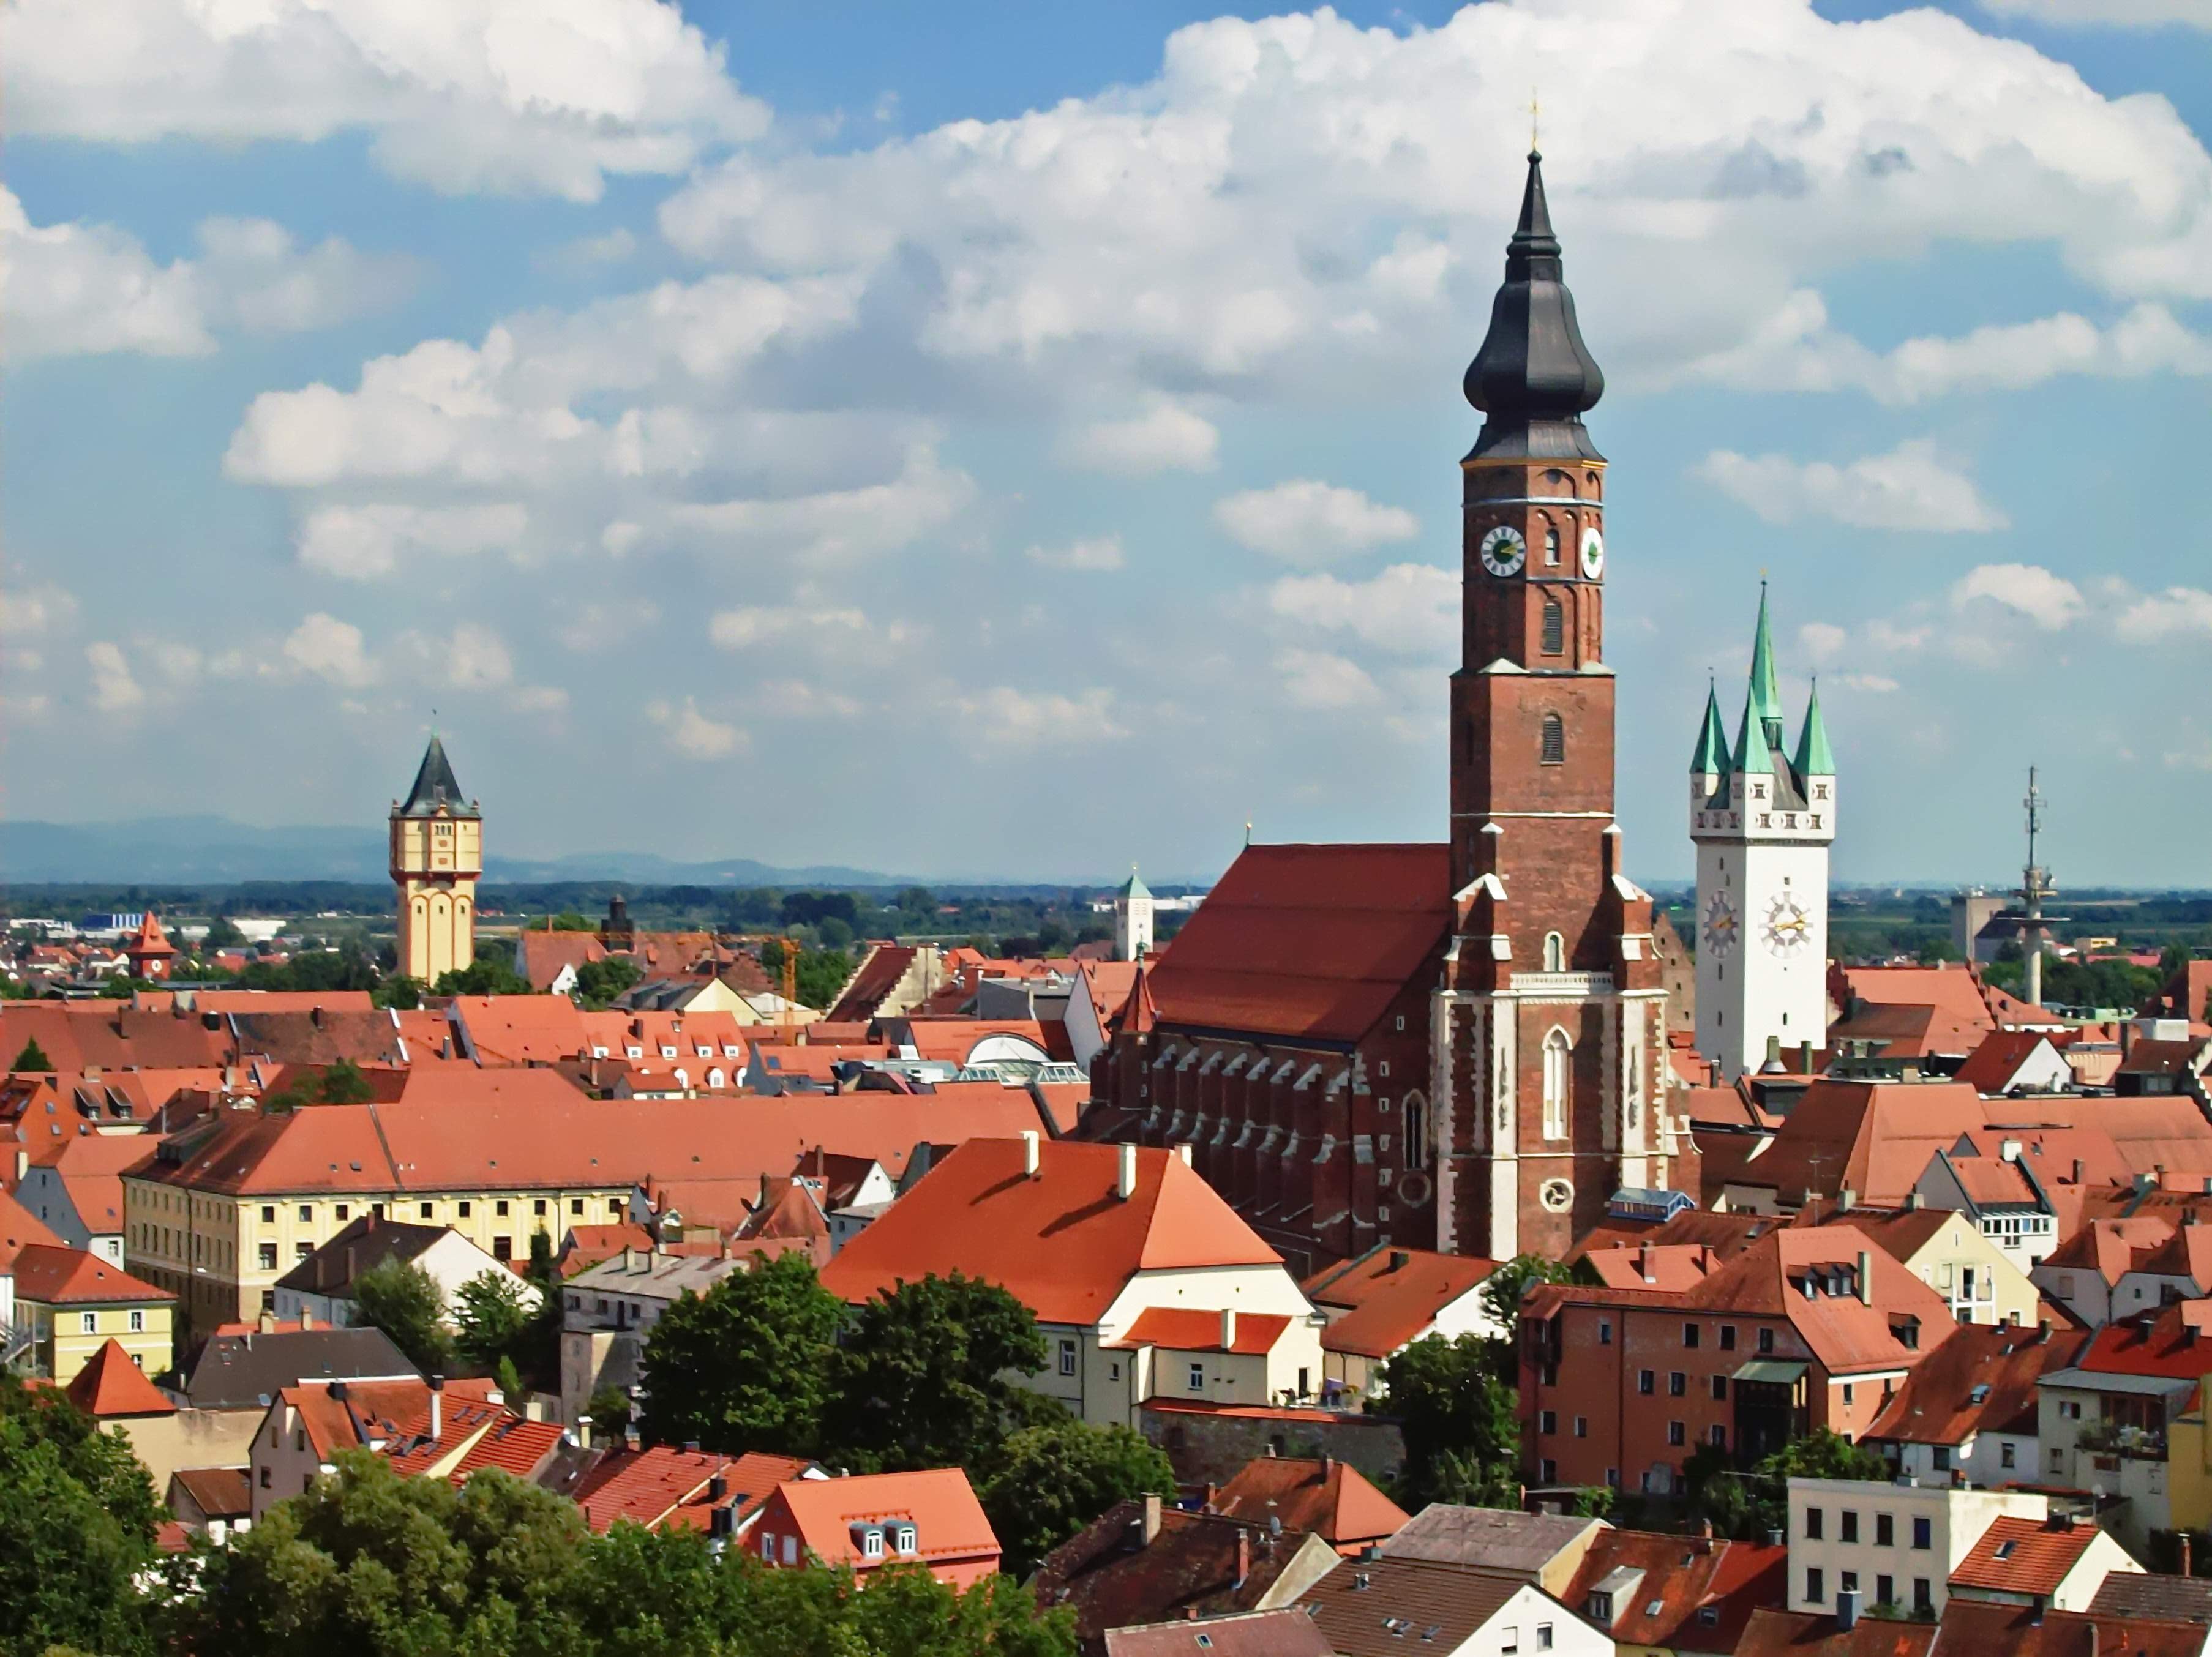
[1890, 1544]
[320, 1285]
[1763, 818]
[2105, 1431]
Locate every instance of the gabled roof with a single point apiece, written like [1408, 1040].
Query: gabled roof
[1309, 941]
[1328, 1498]
[1951, 987]
[520, 1030]
[219, 1492]
[948, 1520]
[2152, 1596]
[1392, 1296]
[1682, 1576]
[1993, 1067]
[878, 975]
[1982, 1379]
[2171, 1346]
[662, 1487]
[73, 1277]
[109, 1385]
[1283, 1631]
[1202, 1565]
[20, 1228]
[1368, 1607]
[361, 1245]
[2024, 1556]
[2110, 1248]
[1875, 1138]
[1772, 1632]
[1187, 1329]
[1494, 1539]
[233, 1371]
[1986, 1625]
[1061, 1240]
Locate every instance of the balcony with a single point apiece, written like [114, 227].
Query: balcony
[1577, 985]
[2118, 1439]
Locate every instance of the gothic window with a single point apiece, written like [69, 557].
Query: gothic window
[1555, 953]
[1417, 1131]
[1554, 740]
[1552, 548]
[1555, 624]
[1558, 1056]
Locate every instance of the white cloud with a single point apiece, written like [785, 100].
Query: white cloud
[749, 626]
[603, 625]
[1911, 487]
[2177, 612]
[2107, 14]
[476, 658]
[38, 609]
[332, 650]
[75, 289]
[1167, 437]
[840, 525]
[1874, 684]
[522, 95]
[616, 246]
[1822, 642]
[1102, 552]
[797, 699]
[690, 732]
[1005, 717]
[1306, 521]
[2049, 601]
[1410, 607]
[113, 688]
[361, 543]
[538, 698]
[1316, 678]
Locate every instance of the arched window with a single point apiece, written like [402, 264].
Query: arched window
[1555, 740]
[1417, 1131]
[1555, 625]
[1555, 953]
[1552, 548]
[1558, 1056]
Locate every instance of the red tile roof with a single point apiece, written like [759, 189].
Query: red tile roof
[109, 1385]
[1314, 941]
[2023, 1556]
[1328, 1498]
[520, 1030]
[19, 1227]
[1975, 1626]
[948, 1520]
[1992, 1066]
[1774, 1633]
[1392, 1296]
[1185, 1329]
[876, 978]
[1061, 1240]
[661, 1486]
[1682, 1576]
[1951, 987]
[71, 1277]
[1981, 1380]
[2172, 1345]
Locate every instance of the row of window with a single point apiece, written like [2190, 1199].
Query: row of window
[89, 1323]
[464, 1208]
[1678, 1432]
[1885, 1588]
[1690, 1337]
[1885, 1528]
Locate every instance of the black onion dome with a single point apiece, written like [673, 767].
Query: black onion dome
[1533, 378]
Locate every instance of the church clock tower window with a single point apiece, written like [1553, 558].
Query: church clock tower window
[1554, 740]
[1559, 1074]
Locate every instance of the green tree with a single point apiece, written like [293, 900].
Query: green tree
[222, 933]
[610, 1411]
[343, 1083]
[1504, 1289]
[33, 1058]
[745, 1366]
[1748, 1504]
[599, 983]
[1458, 1419]
[1049, 1481]
[493, 1318]
[922, 1375]
[569, 920]
[399, 1298]
[485, 975]
[399, 990]
[821, 976]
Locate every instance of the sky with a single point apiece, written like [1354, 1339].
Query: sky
[988, 439]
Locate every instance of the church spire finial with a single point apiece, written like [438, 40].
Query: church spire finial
[1534, 378]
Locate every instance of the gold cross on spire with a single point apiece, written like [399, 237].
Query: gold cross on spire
[1534, 111]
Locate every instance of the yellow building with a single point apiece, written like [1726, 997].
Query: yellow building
[2189, 1465]
[437, 853]
[69, 1303]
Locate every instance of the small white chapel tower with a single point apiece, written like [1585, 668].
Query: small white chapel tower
[1133, 919]
[1763, 818]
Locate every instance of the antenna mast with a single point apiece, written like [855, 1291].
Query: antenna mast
[2034, 887]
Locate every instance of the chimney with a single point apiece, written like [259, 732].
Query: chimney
[718, 1488]
[1705, 1536]
[1183, 1151]
[1399, 1259]
[584, 1432]
[1030, 1156]
[2077, 1170]
[265, 1321]
[1228, 1328]
[1847, 1610]
[307, 1319]
[1125, 1179]
[1805, 1057]
[2185, 1570]
[22, 1166]
[1866, 1278]
[1912, 1199]
[1152, 1520]
[1243, 1555]
[2009, 1150]
[1845, 1199]
[437, 1407]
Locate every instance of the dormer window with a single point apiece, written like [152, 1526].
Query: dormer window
[871, 1543]
[905, 1540]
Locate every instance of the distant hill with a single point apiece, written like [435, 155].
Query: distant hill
[214, 850]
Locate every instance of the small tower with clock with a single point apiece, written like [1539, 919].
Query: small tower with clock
[1763, 816]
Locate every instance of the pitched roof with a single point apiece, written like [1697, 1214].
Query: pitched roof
[662, 1487]
[219, 1492]
[1980, 1625]
[1368, 1607]
[520, 1030]
[110, 1385]
[1494, 1539]
[1391, 1296]
[1061, 1240]
[2110, 1248]
[2150, 1595]
[235, 1370]
[1775, 1633]
[545, 954]
[2170, 1347]
[874, 980]
[20, 1228]
[2024, 1556]
[1187, 1329]
[1950, 986]
[73, 1277]
[1112, 1575]
[435, 789]
[1875, 1137]
[1328, 1498]
[948, 1520]
[1284, 1631]
[1991, 1067]
[319, 1035]
[1682, 1576]
[1981, 1379]
[1312, 941]
[360, 1245]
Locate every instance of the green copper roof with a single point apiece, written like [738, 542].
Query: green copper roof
[1813, 757]
[1134, 887]
[1766, 691]
[1753, 757]
[1711, 758]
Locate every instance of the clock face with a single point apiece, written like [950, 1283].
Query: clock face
[1593, 553]
[1503, 551]
[1721, 926]
[1789, 929]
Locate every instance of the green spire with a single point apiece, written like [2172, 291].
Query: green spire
[1754, 757]
[1766, 692]
[1813, 757]
[1711, 758]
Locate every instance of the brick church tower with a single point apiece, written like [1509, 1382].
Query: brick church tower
[1549, 1031]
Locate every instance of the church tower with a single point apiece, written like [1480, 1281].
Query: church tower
[1763, 817]
[1550, 1028]
[1133, 919]
[437, 854]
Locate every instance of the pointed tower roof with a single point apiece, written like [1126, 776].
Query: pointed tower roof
[1711, 758]
[109, 1385]
[1533, 378]
[435, 788]
[1813, 757]
[1765, 690]
[1752, 756]
[1133, 887]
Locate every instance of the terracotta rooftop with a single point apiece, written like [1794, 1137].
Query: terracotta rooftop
[1193, 1564]
[1695, 1596]
[949, 1522]
[1494, 1539]
[73, 1277]
[2023, 1556]
[18, 1228]
[1391, 1296]
[1993, 1065]
[1371, 1607]
[1773, 1633]
[110, 1386]
[1189, 1330]
[1982, 1379]
[220, 1492]
[1285, 1631]
[1984, 1625]
[1328, 1498]
[662, 1487]
[2170, 1347]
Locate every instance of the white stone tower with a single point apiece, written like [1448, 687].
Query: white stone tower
[1133, 919]
[1763, 818]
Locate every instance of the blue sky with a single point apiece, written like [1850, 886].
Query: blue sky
[1004, 439]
